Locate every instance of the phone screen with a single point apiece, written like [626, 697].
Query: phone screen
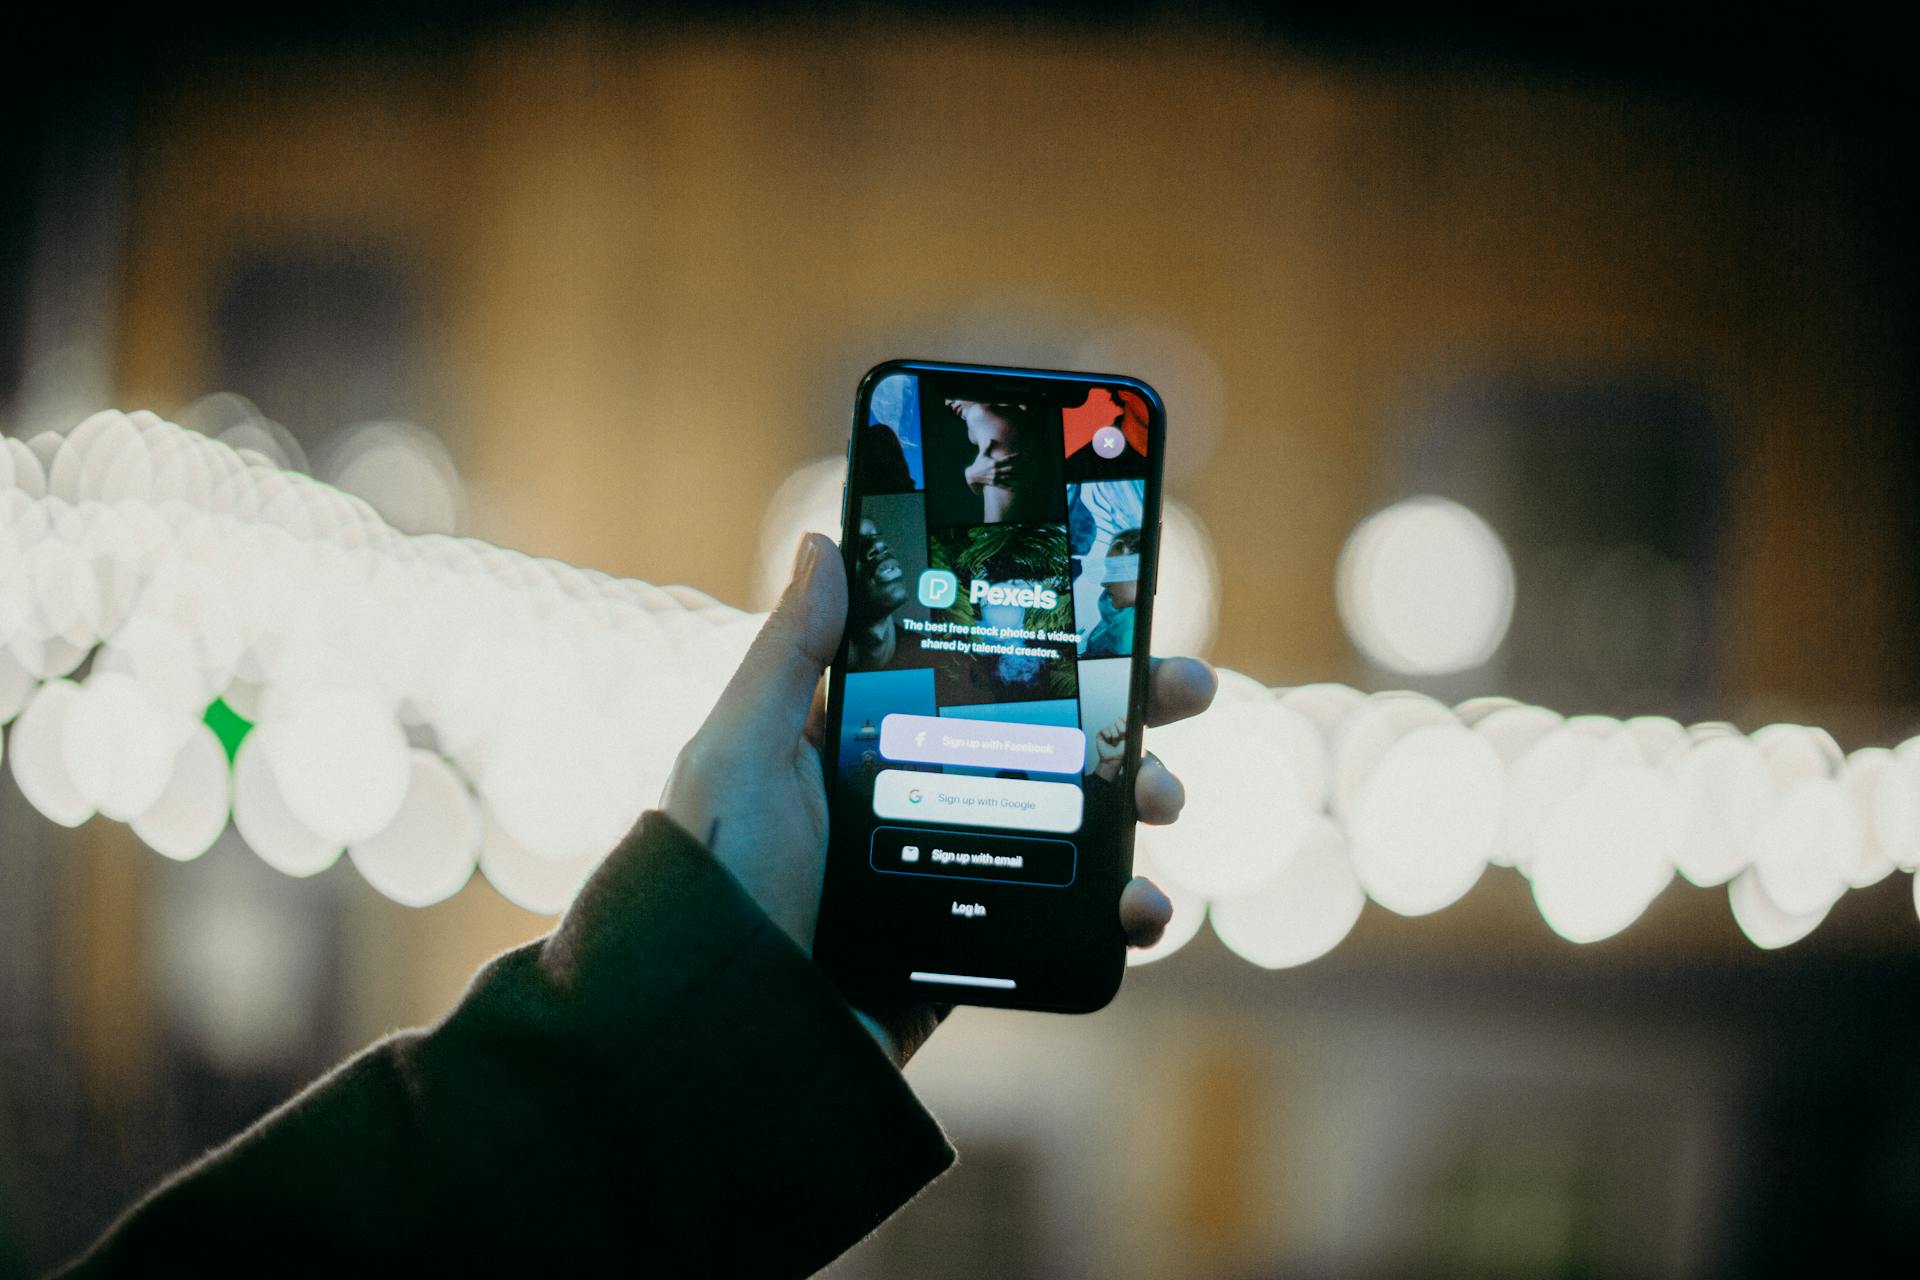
[1001, 529]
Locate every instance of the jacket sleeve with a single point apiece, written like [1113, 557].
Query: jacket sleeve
[666, 1084]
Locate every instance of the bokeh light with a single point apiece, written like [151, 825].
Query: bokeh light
[1303, 912]
[1724, 787]
[1804, 844]
[1246, 810]
[192, 810]
[1362, 738]
[1896, 807]
[264, 820]
[401, 470]
[340, 760]
[1189, 907]
[1425, 587]
[238, 423]
[16, 685]
[1423, 822]
[1186, 606]
[1604, 851]
[1538, 779]
[1762, 920]
[426, 853]
[544, 886]
[1861, 777]
[808, 501]
[37, 755]
[119, 747]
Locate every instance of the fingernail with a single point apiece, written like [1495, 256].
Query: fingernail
[1165, 902]
[804, 555]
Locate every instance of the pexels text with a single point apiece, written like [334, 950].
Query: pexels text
[1026, 597]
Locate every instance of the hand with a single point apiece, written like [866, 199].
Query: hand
[1110, 750]
[751, 783]
[997, 472]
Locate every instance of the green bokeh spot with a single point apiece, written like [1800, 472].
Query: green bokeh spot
[228, 725]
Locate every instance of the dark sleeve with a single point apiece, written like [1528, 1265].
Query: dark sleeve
[665, 1084]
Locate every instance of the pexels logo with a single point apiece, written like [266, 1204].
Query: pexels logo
[938, 588]
[1028, 597]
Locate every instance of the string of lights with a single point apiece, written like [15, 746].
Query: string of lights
[191, 633]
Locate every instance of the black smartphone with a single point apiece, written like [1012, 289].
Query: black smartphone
[984, 713]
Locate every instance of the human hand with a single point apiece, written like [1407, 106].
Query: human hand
[998, 472]
[1110, 750]
[751, 785]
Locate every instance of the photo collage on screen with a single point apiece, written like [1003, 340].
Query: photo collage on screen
[994, 557]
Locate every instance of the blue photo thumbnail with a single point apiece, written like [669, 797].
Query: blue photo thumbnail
[890, 455]
[865, 701]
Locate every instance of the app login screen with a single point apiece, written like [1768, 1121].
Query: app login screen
[996, 552]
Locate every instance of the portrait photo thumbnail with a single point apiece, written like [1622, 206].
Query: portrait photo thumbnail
[1104, 521]
[887, 554]
[990, 462]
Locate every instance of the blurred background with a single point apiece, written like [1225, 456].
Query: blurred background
[595, 283]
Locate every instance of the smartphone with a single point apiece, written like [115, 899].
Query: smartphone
[1001, 528]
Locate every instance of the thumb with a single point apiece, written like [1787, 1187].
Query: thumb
[769, 696]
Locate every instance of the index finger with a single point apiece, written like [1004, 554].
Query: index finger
[1178, 688]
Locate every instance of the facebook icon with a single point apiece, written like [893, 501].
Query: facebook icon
[938, 588]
